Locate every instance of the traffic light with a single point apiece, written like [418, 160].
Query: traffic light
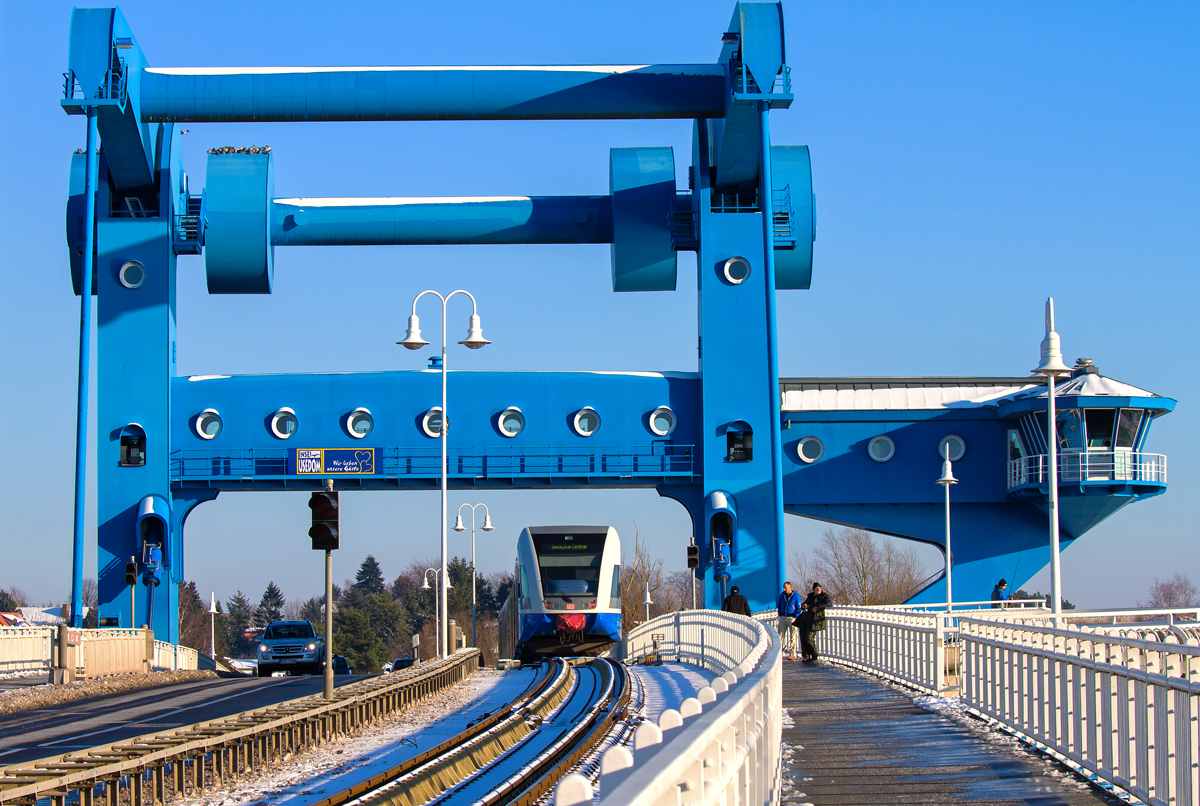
[324, 531]
[130, 573]
[693, 557]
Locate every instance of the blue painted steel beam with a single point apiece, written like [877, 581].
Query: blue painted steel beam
[683, 91]
[449, 220]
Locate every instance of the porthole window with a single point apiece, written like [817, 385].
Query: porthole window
[586, 422]
[810, 450]
[881, 448]
[662, 421]
[132, 274]
[284, 423]
[208, 424]
[359, 423]
[511, 421]
[952, 448]
[736, 270]
[431, 423]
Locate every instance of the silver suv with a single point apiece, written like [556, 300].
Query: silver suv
[291, 646]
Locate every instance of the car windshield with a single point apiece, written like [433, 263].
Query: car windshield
[289, 631]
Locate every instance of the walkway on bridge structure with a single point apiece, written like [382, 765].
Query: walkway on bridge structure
[858, 741]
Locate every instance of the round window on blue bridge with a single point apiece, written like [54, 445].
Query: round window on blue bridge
[511, 421]
[359, 423]
[284, 423]
[662, 421]
[587, 421]
[208, 424]
[881, 448]
[952, 448]
[810, 449]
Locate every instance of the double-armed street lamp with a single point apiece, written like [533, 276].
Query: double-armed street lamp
[413, 341]
[487, 527]
[439, 647]
[1052, 367]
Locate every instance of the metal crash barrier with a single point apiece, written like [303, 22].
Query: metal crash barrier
[721, 746]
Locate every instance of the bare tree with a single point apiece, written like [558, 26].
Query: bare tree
[1178, 591]
[856, 570]
[637, 576]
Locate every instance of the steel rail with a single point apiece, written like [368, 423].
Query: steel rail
[234, 743]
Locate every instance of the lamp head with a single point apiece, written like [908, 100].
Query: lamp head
[425, 584]
[947, 475]
[487, 523]
[647, 599]
[1051, 363]
[412, 339]
[474, 339]
[212, 607]
[458, 524]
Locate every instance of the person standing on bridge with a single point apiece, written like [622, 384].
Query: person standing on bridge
[1000, 594]
[812, 619]
[788, 606]
[736, 603]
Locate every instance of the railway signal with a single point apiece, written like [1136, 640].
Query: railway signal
[130, 573]
[693, 557]
[324, 531]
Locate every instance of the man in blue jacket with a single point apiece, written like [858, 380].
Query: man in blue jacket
[788, 606]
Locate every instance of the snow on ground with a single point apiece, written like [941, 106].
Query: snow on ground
[312, 775]
[25, 673]
[667, 686]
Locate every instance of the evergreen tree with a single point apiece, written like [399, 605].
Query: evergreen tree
[354, 639]
[313, 611]
[272, 604]
[7, 603]
[193, 618]
[369, 578]
[237, 624]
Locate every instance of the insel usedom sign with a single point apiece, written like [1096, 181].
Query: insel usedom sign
[335, 461]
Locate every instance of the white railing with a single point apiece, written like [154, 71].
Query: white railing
[1106, 464]
[25, 649]
[174, 658]
[722, 746]
[1123, 708]
[91, 653]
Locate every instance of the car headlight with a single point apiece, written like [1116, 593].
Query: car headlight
[312, 646]
[264, 649]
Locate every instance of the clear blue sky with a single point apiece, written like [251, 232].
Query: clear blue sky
[969, 160]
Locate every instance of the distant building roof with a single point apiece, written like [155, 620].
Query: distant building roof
[907, 394]
[898, 394]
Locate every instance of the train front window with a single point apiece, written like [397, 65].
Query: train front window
[569, 564]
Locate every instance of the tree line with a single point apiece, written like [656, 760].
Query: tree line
[373, 621]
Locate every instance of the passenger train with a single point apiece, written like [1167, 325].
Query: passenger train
[566, 594]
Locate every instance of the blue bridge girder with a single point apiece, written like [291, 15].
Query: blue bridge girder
[732, 455]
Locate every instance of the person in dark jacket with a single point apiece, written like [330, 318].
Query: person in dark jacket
[812, 619]
[1000, 594]
[736, 603]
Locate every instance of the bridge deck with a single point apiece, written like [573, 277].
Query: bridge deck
[857, 741]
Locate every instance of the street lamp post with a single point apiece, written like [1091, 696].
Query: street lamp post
[441, 649]
[647, 600]
[212, 627]
[946, 480]
[1052, 367]
[487, 527]
[413, 341]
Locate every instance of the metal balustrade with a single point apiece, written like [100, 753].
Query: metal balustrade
[722, 746]
[1107, 465]
[654, 460]
[1122, 708]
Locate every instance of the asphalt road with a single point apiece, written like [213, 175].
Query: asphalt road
[59, 729]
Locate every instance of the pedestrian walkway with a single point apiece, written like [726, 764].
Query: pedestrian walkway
[858, 741]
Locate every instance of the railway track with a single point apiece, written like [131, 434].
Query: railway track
[514, 755]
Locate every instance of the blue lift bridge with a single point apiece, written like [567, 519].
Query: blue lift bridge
[732, 442]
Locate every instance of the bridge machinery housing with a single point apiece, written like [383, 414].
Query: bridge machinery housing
[715, 439]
